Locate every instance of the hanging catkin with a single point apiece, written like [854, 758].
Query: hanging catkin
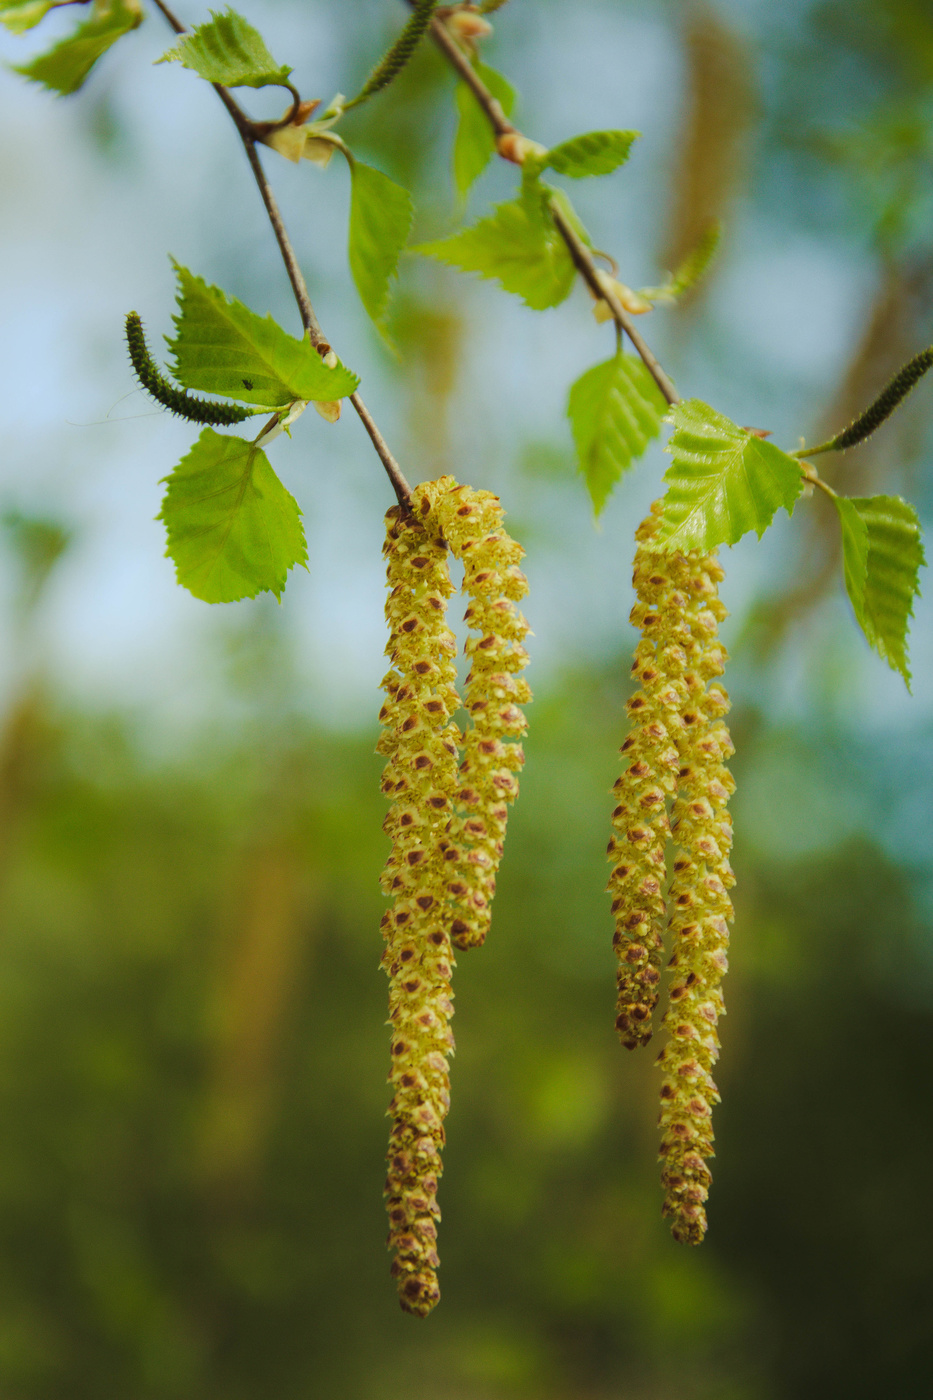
[471, 523]
[640, 819]
[676, 750]
[421, 746]
[700, 911]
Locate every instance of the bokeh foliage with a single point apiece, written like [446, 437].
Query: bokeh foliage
[192, 1061]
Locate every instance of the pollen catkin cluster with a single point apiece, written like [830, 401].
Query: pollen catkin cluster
[640, 820]
[700, 910]
[676, 749]
[471, 523]
[420, 776]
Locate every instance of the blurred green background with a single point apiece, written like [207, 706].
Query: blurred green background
[192, 1047]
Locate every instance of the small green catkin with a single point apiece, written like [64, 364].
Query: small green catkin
[700, 911]
[640, 820]
[471, 523]
[177, 401]
[392, 63]
[884, 405]
[420, 776]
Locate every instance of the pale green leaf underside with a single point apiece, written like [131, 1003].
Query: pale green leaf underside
[232, 529]
[222, 347]
[723, 481]
[20, 15]
[596, 153]
[381, 215]
[615, 409]
[882, 554]
[65, 67]
[230, 51]
[519, 246]
[474, 143]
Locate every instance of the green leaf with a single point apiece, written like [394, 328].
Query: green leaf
[519, 246]
[64, 68]
[381, 215]
[475, 142]
[882, 554]
[222, 347]
[596, 153]
[20, 15]
[723, 481]
[615, 409]
[233, 530]
[230, 51]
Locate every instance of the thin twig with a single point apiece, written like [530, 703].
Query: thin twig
[458, 59]
[590, 274]
[295, 275]
[393, 470]
[581, 255]
[299, 287]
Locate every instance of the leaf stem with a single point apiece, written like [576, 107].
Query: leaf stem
[811, 475]
[295, 275]
[582, 257]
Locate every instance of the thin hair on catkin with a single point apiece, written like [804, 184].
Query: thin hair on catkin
[471, 522]
[420, 777]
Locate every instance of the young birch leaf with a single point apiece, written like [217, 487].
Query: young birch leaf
[20, 15]
[723, 481]
[381, 215]
[230, 51]
[232, 529]
[615, 409]
[222, 347]
[596, 153]
[474, 143]
[65, 67]
[882, 554]
[519, 246]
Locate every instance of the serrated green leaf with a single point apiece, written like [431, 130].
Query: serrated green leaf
[222, 347]
[615, 409]
[228, 50]
[882, 555]
[65, 67]
[20, 15]
[381, 215]
[519, 246]
[475, 142]
[596, 153]
[723, 481]
[232, 529]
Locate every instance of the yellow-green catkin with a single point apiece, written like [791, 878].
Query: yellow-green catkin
[420, 777]
[700, 909]
[471, 523]
[651, 749]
